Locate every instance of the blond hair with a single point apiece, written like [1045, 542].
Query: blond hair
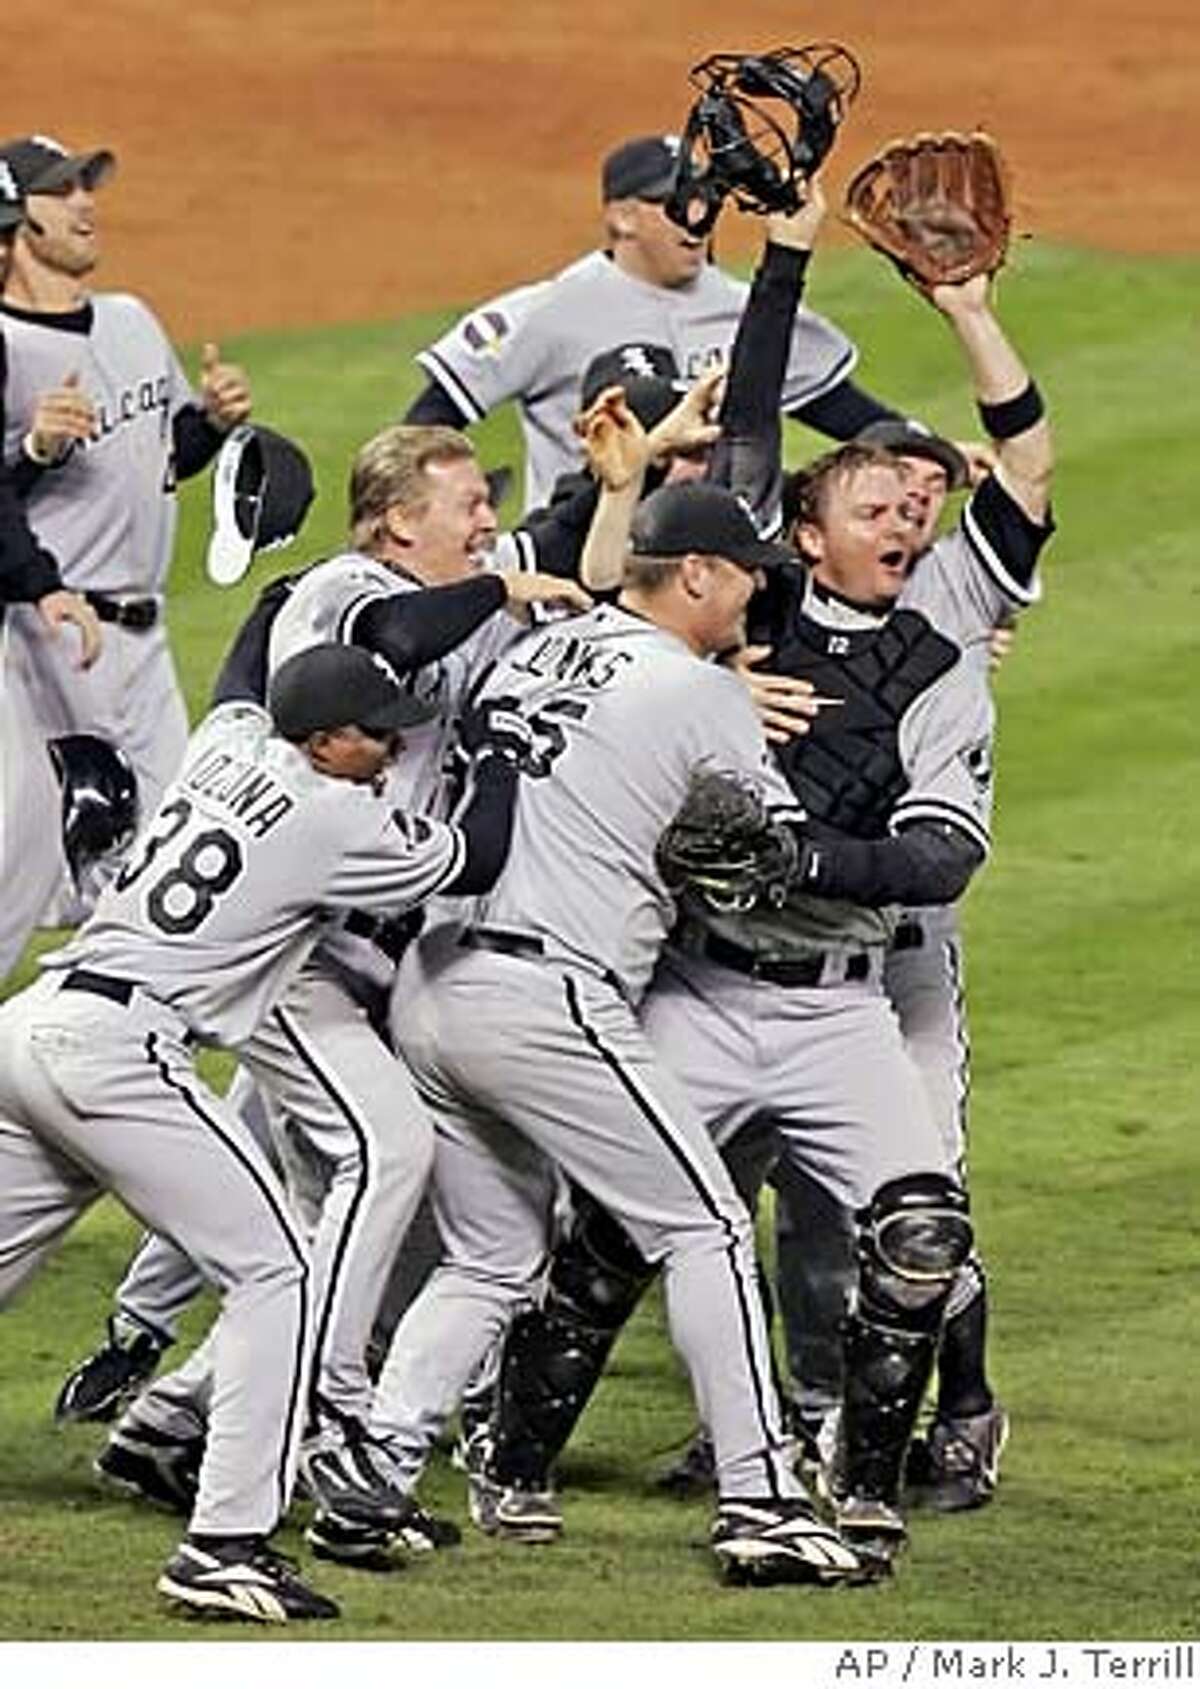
[390, 470]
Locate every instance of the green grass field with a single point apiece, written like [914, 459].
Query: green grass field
[1083, 956]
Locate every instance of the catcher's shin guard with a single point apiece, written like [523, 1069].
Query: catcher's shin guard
[913, 1238]
[554, 1355]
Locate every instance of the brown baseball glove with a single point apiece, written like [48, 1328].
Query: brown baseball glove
[936, 205]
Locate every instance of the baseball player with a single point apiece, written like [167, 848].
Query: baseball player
[99, 425]
[935, 707]
[623, 710]
[970, 581]
[29, 575]
[272, 823]
[651, 284]
[413, 591]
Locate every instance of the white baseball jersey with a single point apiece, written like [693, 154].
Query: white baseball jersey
[221, 898]
[109, 512]
[323, 607]
[534, 343]
[624, 713]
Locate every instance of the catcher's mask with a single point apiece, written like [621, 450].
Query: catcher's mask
[99, 799]
[763, 124]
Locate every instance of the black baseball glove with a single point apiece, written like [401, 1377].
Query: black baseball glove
[724, 848]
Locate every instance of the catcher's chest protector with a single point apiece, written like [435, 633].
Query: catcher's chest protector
[846, 770]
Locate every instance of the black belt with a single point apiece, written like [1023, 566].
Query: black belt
[100, 985]
[909, 935]
[137, 614]
[780, 970]
[391, 936]
[507, 943]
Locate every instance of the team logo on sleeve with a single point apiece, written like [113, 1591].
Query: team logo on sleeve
[977, 759]
[486, 331]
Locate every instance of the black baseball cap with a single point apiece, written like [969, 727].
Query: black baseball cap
[42, 165]
[331, 686]
[643, 168]
[649, 375]
[696, 516]
[12, 206]
[905, 438]
[262, 488]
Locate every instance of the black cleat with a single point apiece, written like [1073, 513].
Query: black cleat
[107, 1381]
[694, 1473]
[957, 1465]
[241, 1579]
[379, 1548]
[782, 1541]
[152, 1466]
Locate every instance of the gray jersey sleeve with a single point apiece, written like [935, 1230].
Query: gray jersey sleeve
[978, 576]
[946, 748]
[497, 352]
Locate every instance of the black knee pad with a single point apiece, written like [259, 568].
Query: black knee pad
[913, 1237]
[597, 1273]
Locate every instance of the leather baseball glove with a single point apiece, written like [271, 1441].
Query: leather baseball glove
[724, 848]
[937, 205]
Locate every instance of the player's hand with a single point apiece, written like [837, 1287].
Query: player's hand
[614, 440]
[61, 607]
[61, 417]
[224, 389]
[787, 707]
[526, 589]
[982, 459]
[964, 299]
[692, 423]
[1000, 643]
[799, 229]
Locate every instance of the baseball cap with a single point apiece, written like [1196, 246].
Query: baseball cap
[12, 207]
[643, 168]
[649, 375]
[42, 165]
[905, 438]
[262, 488]
[330, 686]
[696, 516]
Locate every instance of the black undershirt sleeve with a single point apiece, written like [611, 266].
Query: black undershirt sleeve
[196, 440]
[843, 412]
[558, 531]
[929, 862]
[27, 571]
[433, 407]
[243, 674]
[411, 629]
[486, 825]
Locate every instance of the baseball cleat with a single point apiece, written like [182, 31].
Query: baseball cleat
[694, 1473]
[154, 1467]
[956, 1466]
[509, 1510]
[107, 1381]
[241, 1579]
[350, 1479]
[377, 1548]
[783, 1541]
[873, 1527]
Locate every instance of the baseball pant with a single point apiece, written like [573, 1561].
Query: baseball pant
[528, 1066]
[96, 1095]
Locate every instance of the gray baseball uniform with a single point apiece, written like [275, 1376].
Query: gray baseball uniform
[108, 514]
[534, 343]
[218, 905]
[521, 1032]
[318, 1057]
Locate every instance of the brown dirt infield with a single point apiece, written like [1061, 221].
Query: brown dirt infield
[316, 161]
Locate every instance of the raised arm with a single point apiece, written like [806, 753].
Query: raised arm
[1010, 406]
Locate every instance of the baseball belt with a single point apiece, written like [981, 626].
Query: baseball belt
[819, 968]
[139, 615]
